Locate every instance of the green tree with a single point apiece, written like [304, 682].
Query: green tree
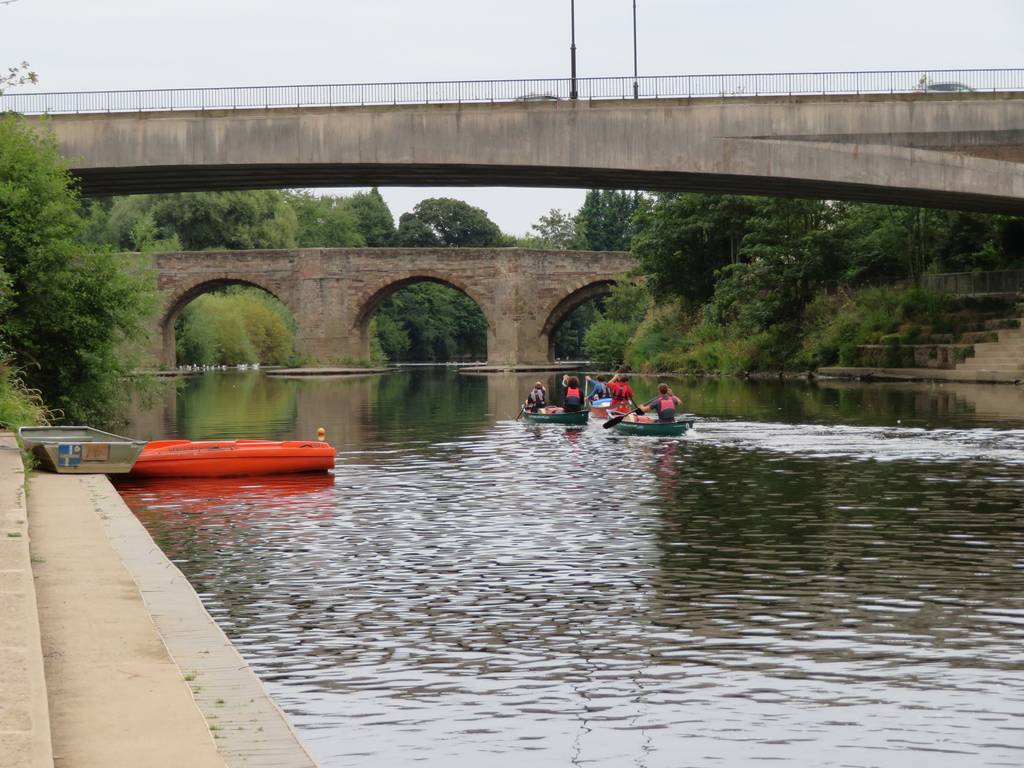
[234, 220]
[431, 322]
[373, 218]
[444, 221]
[69, 310]
[324, 221]
[605, 220]
[238, 325]
[557, 231]
[684, 239]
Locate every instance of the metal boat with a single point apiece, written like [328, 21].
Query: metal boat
[80, 450]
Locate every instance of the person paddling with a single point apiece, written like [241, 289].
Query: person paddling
[665, 404]
[600, 388]
[537, 399]
[622, 393]
[573, 400]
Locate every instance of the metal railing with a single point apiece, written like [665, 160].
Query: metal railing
[550, 89]
[1003, 281]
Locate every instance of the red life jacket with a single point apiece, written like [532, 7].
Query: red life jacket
[573, 397]
[666, 408]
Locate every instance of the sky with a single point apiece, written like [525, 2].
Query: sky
[148, 44]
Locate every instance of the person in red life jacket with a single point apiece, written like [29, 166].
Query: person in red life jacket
[573, 400]
[665, 404]
[621, 392]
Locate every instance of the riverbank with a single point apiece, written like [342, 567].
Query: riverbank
[117, 661]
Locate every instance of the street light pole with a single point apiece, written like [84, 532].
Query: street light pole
[636, 85]
[573, 92]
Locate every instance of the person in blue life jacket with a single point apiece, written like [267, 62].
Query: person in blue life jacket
[600, 388]
[573, 399]
[665, 404]
[537, 399]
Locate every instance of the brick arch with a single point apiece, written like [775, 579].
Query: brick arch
[368, 302]
[184, 294]
[580, 293]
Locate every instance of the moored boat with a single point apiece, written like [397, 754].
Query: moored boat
[80, 450]
[232, 458]
[649, 426]
[557, 416]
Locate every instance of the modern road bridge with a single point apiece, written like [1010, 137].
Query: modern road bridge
[933, 138]
[333, 293]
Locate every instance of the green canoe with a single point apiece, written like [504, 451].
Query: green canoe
[574, 417]
[654, 428]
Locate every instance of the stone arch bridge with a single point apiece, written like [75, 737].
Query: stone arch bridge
[333, 292]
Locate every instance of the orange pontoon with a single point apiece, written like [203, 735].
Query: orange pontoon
[232, 458]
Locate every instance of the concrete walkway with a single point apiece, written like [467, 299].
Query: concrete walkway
[920, 374]
[138, 672]
[24, 716]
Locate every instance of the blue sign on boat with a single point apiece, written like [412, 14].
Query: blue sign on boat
[69, 455]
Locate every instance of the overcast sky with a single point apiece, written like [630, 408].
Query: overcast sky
[141, 44]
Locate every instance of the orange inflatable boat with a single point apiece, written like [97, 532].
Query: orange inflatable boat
[232, 458]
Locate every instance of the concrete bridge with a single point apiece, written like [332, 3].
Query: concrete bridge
[333, 292]
[940, 149]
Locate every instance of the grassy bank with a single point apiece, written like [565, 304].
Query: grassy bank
[19, 406]
[869, 326]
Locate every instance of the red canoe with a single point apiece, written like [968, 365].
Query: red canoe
[232, 458]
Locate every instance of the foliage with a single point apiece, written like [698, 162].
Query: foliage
[429, 322]
[69, 309]
[607, 337]
[605, 220]
[373, 218]
[19, 405]
[324, 222]
[17, 75]
[555, 231]
[446, 222]
[238, 325]
[683, 240]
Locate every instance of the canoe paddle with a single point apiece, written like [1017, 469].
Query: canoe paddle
[522, 410]
[616, 419]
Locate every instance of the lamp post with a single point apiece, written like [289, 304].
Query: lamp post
[636, 85]
[573, 92]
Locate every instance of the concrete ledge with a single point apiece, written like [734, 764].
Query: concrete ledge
[920, 374]
[138, 672]
[329, 371]
[24, 713]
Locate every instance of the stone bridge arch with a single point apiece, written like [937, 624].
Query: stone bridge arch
[333, 292]
[370, 297]
[557, 313]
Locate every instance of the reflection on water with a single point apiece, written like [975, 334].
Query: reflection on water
[808, 577]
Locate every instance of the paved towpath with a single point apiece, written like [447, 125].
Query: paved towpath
[138, 672]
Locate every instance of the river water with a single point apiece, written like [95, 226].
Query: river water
[819, 574]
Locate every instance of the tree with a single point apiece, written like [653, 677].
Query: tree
[683, 240]
[69, 310]
[325, 221]
[373, 217]
[556, 230]
[444, 221]
[237, 220]
[605, 220]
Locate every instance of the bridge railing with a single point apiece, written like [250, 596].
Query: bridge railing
[551, 89]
